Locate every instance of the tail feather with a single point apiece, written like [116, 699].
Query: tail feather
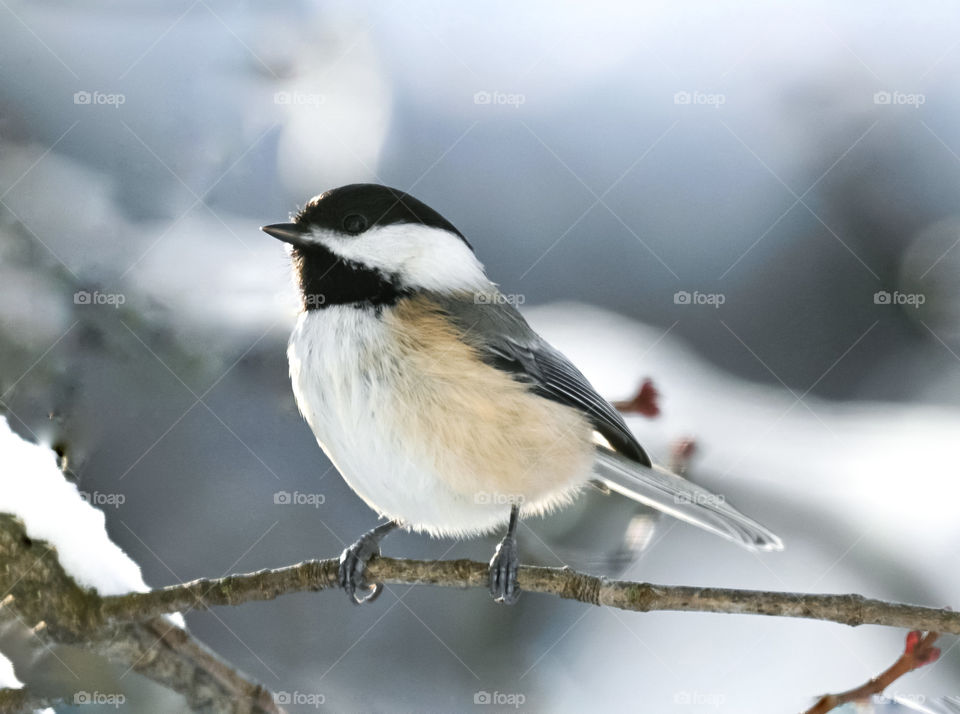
[680, 498]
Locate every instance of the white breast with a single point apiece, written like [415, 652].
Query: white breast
[348, 375]
[341, 373]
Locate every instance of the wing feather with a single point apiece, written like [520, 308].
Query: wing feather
[505, 340]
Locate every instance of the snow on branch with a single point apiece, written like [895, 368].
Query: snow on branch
[43, 596]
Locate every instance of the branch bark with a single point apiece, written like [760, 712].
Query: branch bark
[127, 628]
[41, 595]
[639, 597]
[24, 700]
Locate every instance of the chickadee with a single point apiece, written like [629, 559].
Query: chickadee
[438, 404]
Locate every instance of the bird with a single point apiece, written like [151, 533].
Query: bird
[439, 405]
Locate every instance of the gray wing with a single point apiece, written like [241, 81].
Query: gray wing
[504, 340]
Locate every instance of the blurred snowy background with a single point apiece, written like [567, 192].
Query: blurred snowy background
[754, 205]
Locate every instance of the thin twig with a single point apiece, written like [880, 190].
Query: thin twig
[646, 401]
[919, 651]
[640, 597]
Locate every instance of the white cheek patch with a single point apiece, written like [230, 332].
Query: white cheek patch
[422, 256]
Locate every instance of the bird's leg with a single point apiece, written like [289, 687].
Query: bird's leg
[504, 564]
[353, 563]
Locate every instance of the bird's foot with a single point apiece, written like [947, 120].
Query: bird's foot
[503, 571]
[353, 565]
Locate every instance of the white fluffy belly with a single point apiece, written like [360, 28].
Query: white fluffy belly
[367, 401]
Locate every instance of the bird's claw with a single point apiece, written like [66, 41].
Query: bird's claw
[503, 571]
[352, 571]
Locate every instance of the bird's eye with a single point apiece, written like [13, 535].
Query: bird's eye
[355, 223]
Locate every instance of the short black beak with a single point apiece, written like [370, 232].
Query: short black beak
[287, 232]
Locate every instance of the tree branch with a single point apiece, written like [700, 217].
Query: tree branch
[24, 700]
[640, 597]
[919, 651]
[43, 597]
[128, 628]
